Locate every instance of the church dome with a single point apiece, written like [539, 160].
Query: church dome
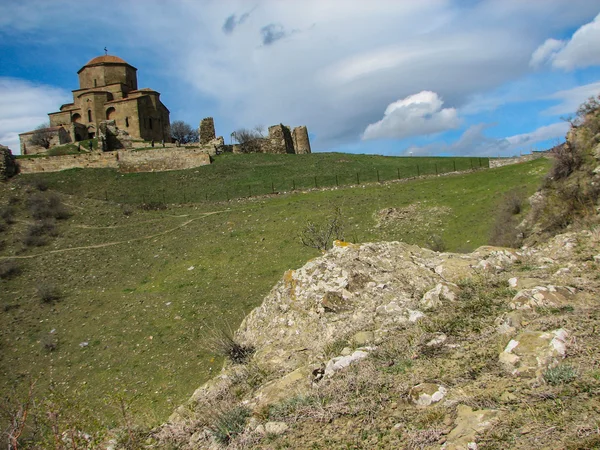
[105, 59]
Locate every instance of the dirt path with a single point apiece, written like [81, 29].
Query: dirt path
[113, 243]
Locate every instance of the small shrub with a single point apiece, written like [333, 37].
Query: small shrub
[47, 206]
[127, 210]
[567, 159]
[322, 235]
[560, 375]
[48, 293]
[153, 206]
[228, 424]
[49, 342]
[505, 232]
[221, 342]
[8, 214]
[40, 184]
[436, 243]
[37, 233]
[8, 269]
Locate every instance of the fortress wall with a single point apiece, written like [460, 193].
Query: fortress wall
[58, 163]
[162, 159]
[157, 160]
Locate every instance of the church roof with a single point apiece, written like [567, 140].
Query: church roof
[105, 59]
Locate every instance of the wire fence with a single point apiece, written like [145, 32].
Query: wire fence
[197, 191]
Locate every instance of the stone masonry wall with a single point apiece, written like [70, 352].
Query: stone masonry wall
[156, 160]
[58, 163]
[162, 159]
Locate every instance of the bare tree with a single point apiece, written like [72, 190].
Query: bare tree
[321, 235]
[183, 132]
[248, 137]
[42, 136]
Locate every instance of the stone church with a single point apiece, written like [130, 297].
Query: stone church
[108, 90]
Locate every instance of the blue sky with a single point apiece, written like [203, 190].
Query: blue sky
[428, 77]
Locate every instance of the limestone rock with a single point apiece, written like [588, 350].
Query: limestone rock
[542, 296]
[294, 383]
[272, 428]
[341, 362]
[468, 424]
[363, 337]
[441, 292]
[426, 394]
[532, 352]
[509, 323]
[524, 283]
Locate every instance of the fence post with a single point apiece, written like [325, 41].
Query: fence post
[143, 198]
[436, 171]
[316, 182]
[249, 191]
[479, 162]
[272, 187]
[293, 184]
[336, 180]
[398, 172]
[106, 195]
[206, 196]
[454, 162]
[357, 178]
[378, 180]
[471, 159]
[227, 192]
[418, 171]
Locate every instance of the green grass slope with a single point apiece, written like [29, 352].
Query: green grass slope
[236, 176]
[140, 290]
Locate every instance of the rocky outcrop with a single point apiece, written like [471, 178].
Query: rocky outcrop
[336, 311]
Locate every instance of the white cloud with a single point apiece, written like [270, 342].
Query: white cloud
[570, 99]
[23, 106]
[415, 115]
[582, 50]
[474, 142]
[546, 52]
[544, 133]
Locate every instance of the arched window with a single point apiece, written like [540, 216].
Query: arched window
[111, 113]
[76, 118]
[89, 115]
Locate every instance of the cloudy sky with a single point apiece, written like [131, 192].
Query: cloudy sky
[394, 77]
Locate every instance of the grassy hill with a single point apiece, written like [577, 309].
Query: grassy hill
[138, 290]
[231, 176]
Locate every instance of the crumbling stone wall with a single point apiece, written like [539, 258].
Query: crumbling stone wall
[8, 167]
[207, 130]
[301, 141]
[114, 138]
[156, 160]
[161, 160]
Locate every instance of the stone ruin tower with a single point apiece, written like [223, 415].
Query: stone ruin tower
[300, 139]
[206, 132]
